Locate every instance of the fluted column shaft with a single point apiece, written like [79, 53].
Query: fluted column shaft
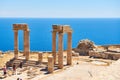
[60, 51]
[69, 50]
[54, 46]
[27, 45]
[15, 44]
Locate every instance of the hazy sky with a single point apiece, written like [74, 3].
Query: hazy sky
[60, 8]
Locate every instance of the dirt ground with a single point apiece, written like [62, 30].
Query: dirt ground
[83, 68]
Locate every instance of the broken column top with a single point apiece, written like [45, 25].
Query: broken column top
[20, 26]
[50, 56]
[62, 28]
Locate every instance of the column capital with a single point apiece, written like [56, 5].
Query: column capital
[60, 33]
[27, 30]
[54, 31]
[15, 30]
[69, 32]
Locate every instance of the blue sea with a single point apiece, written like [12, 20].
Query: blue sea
[99, 30]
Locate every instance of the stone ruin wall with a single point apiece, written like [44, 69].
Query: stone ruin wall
[88, 48]
[104, 55]
[106, 52]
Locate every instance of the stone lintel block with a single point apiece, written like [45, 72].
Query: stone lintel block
[62, 28]
[20, 27]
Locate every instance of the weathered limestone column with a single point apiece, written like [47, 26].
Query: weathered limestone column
[50, 64]
[0, 53]
[27, 44]
[16, 44]
[69, 50]
[40, 57]
[60, 51]
[54, 46]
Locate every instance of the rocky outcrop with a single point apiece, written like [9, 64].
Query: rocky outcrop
[84, 46]
[88, 48]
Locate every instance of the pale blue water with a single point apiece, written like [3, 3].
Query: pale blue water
[101, 31]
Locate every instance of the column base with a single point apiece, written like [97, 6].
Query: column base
[16, 54]
[27, 55]
[69, 59]
[54, 57]
[60, 67]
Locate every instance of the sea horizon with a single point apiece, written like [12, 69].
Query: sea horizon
[102, 31]
[68, 17]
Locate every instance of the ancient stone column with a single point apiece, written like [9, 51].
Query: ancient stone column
[60, 51]
[69, 50]
[15, 44]
[40, 57]
[27, 45]
[54, 46]
[0, 52]
[50, 64]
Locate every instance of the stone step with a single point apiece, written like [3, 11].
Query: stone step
[31, 61]
[25, 63]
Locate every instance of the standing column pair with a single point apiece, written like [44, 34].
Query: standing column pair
[26, 44]
[60, 49]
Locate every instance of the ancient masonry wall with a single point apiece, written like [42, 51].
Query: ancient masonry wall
[105, 55]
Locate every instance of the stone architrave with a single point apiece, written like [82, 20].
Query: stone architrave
[50, 64]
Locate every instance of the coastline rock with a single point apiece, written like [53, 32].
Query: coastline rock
[84, 46]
